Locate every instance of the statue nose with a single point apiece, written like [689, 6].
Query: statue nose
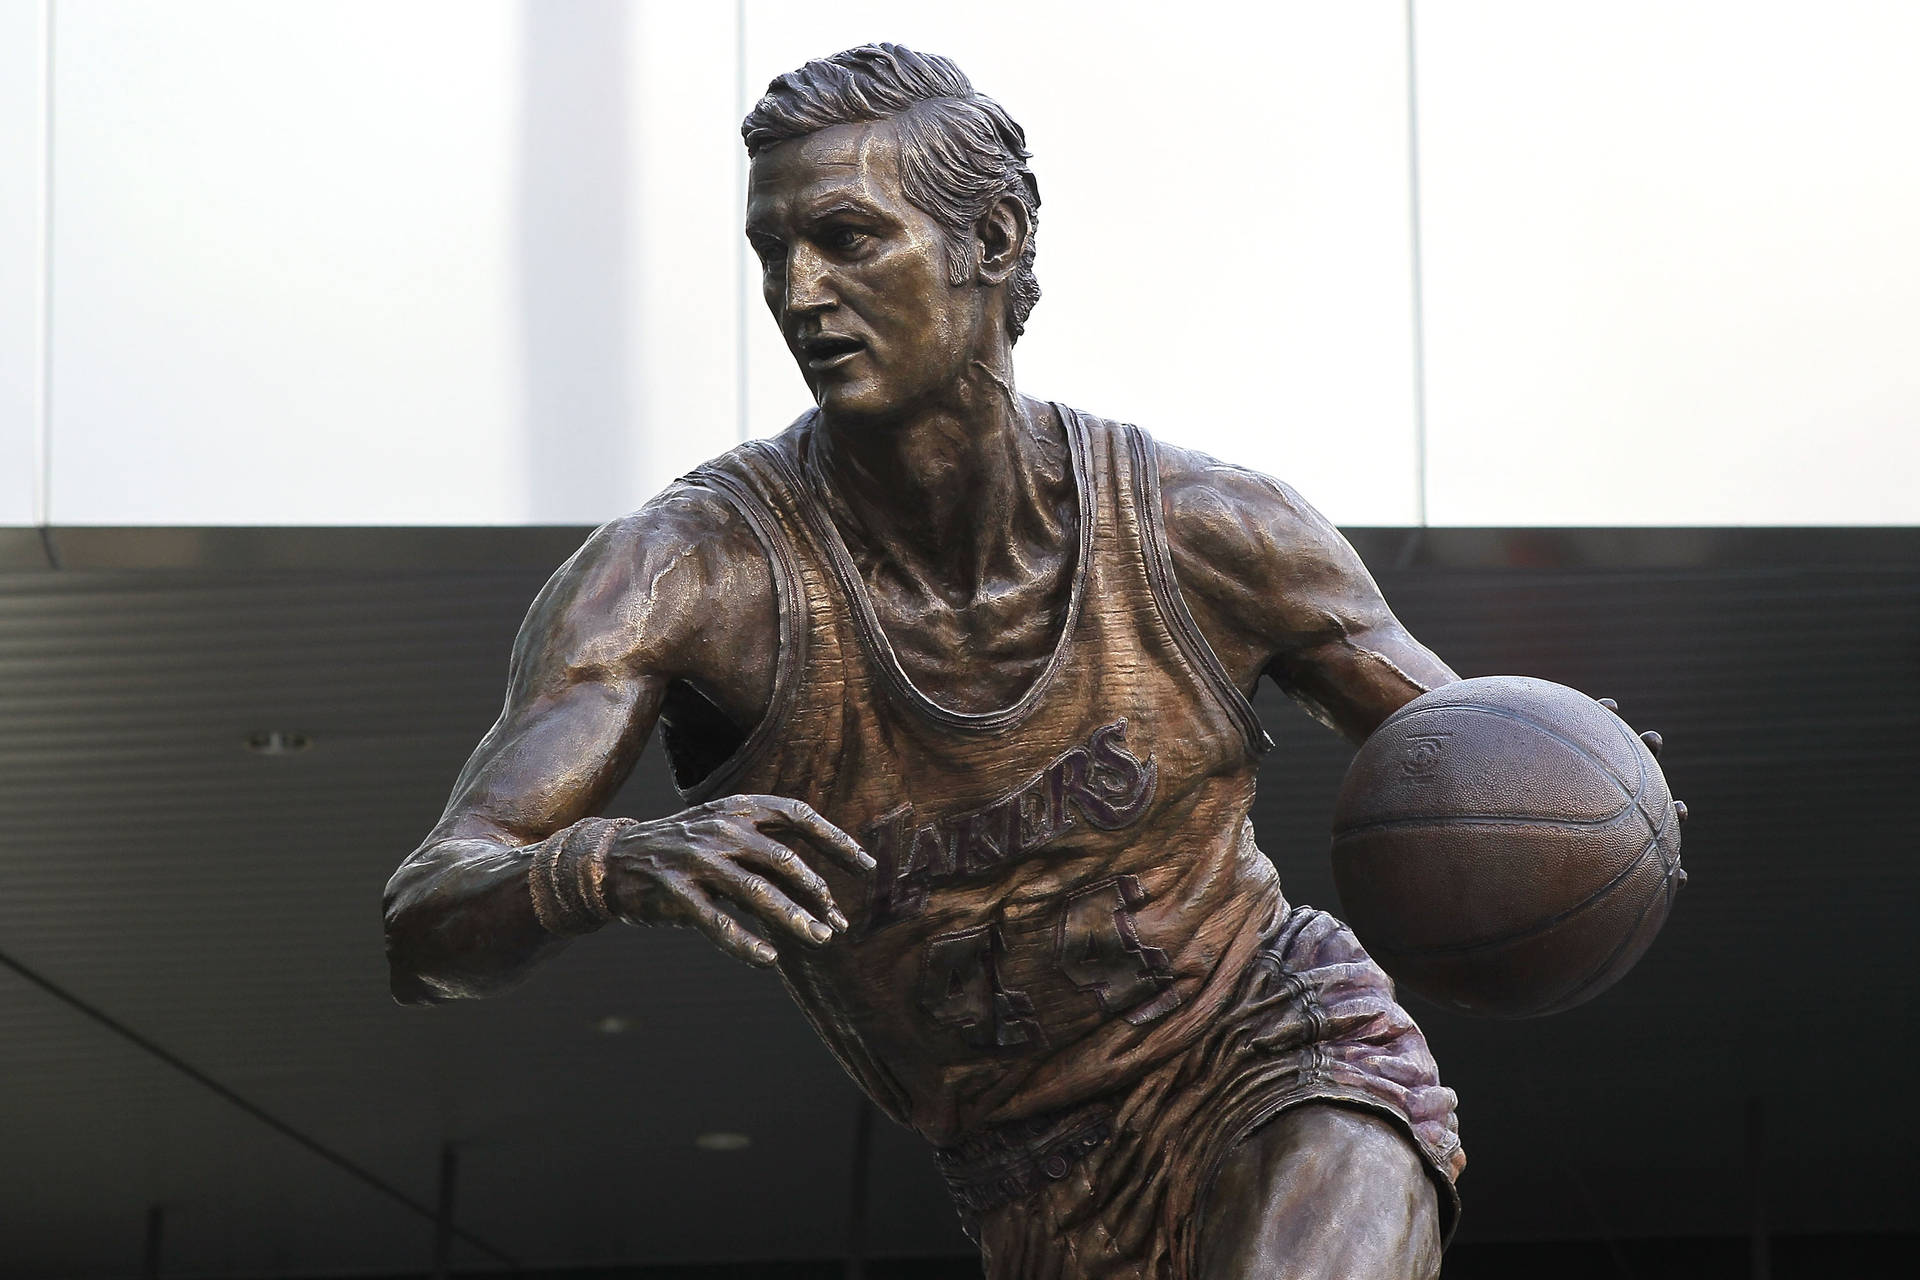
[808, 283]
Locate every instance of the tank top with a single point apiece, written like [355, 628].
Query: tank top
[1068, 887]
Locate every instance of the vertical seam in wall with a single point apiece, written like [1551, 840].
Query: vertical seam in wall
[43, 439]
[1419, 290]
[741, 430]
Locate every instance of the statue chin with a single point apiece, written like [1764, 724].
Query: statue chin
[854, 400]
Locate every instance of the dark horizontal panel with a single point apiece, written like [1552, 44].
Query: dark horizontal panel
[1639, 548]
[94, 547]
[22, 550]
[227, 905]
[309, 547]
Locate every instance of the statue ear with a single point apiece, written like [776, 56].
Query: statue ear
[1001, 236]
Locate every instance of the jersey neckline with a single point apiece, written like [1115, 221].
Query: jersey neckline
[873, 636]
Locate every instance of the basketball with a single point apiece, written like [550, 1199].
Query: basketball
[1506, 846]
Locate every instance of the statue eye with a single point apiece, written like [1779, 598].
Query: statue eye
[844, 238]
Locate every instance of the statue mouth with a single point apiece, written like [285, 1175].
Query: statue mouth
[830, 351]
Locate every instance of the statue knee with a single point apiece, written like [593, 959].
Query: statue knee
[1319, 1193]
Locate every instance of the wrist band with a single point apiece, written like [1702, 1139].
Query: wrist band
[567, 880]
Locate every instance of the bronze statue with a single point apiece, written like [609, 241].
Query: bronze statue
[955, 683]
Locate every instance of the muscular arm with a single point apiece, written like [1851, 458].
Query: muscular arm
[636, 608]
[1278, 591]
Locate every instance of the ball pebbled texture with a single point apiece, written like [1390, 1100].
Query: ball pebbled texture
[1506, 846]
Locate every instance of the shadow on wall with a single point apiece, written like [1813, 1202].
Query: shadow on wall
[573, 252]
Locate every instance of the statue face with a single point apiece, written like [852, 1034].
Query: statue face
[857, 277]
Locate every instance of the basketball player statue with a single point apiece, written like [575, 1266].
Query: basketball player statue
[955, 685]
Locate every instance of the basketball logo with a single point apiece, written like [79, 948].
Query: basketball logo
[1422, 754]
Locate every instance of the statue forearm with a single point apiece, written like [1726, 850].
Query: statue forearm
[1355, 681]
[461, 918]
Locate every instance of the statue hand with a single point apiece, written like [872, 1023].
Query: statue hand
[739, 850]
[1654, 743]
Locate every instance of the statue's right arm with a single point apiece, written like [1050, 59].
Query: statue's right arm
[679, 590]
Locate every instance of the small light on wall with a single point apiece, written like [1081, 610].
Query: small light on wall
[613, 1024]
[277, 742]
[723, 1142]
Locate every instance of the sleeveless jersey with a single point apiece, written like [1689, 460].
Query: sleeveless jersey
[1068, 887]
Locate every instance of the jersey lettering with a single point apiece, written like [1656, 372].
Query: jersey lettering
[1102, 784]
[1096, 946]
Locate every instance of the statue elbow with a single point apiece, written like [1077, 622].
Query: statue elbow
[406, 977]
[453, 936]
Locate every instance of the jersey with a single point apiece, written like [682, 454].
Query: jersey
[1068, 887]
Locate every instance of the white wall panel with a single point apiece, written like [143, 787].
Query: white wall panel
[478, 261]
[22, 201]
[1672, 270]
[623, 258]
[686, 359]
[1224, 244]
[283, 275]
[434, 261]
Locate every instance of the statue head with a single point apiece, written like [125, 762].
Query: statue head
[959, 151]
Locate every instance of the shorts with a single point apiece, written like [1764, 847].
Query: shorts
[1113, 1187]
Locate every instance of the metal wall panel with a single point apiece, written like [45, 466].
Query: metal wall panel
[23, 124]
[686, 360]
[284, 264]
[226, 904]
[1671, 275]
[434, 262]
[485, 268]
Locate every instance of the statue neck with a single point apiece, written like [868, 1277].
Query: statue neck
[958, 495]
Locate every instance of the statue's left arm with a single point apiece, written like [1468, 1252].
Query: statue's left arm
[1278, 591]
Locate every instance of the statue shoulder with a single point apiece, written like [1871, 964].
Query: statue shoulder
[652, 590]
[1250, 553]
[1219, 509]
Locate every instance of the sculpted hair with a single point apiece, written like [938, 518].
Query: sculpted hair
[959, 150]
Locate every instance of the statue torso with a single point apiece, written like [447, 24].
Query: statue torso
[1066, 867]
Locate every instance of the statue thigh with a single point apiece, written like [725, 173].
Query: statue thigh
[1322, 1192]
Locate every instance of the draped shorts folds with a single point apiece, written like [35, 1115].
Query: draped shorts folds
[1114, 1187]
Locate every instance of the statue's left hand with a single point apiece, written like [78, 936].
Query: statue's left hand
[1654, 744]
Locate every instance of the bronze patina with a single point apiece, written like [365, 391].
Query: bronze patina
[955, 682]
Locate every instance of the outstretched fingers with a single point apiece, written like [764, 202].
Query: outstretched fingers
[790, 872]
[799, 818]
[741, 870]
[691, 905]
[768, 903]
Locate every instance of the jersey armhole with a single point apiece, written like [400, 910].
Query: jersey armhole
[1172, 603]
[761, 521]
